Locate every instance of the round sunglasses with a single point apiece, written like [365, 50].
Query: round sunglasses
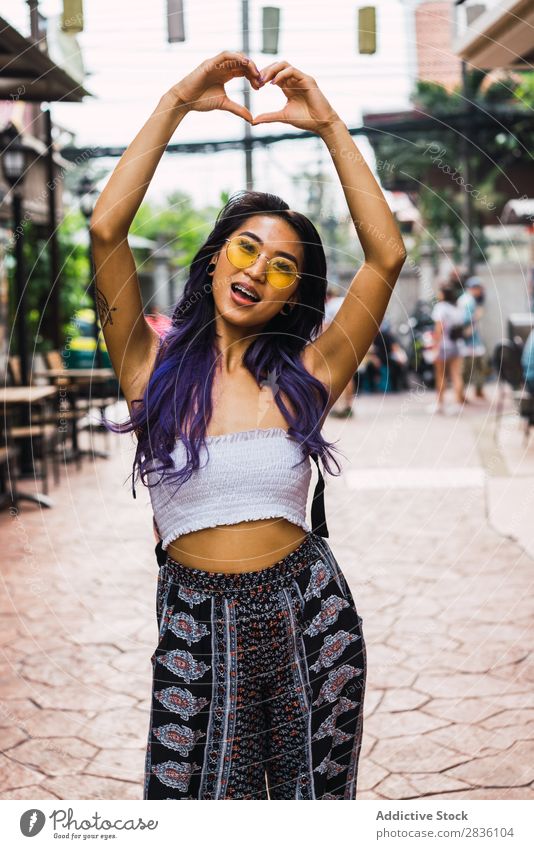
[243, 252]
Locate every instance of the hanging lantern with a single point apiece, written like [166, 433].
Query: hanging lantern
[270, 29]
[72, 17]
[367, 30]
[175, 21]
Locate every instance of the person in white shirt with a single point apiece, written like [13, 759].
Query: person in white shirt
[471, 346]
[448, 360]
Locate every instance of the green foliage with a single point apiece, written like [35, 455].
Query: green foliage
[441, 212]
[74, 275]
[524, 90]
[432, 97]
[177, 225]
[75, 272]
[501, 91]
[429, 163]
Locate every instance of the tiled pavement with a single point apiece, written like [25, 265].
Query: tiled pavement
[430, 522]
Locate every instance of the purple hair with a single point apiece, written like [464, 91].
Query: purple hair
[177, 401]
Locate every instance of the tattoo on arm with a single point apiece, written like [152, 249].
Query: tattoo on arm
[104, 310]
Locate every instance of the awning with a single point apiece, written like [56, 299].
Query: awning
[501, 37]
[27, 73]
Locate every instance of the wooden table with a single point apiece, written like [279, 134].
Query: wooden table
[11, 395]
[34, 396]
[77, 376]
[96, 374]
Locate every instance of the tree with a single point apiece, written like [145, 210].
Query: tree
[74, 279]
[182, 228]
[493, 121]
[177, 224]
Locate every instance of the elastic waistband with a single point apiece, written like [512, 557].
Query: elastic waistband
[262, 580]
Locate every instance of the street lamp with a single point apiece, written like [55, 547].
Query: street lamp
[15, 161]
[88, 196]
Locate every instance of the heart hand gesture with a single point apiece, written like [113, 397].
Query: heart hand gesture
[203, 89]
[306, 108]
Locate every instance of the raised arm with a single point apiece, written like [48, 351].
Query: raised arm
[131, 342]
[345, 342]
[340, 348]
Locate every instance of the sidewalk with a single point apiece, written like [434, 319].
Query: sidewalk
[430, 523]
[432, 529]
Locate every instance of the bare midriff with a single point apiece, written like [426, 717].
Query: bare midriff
[252, 545]
[243, 547]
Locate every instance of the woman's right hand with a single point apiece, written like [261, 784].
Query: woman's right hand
[203, 89]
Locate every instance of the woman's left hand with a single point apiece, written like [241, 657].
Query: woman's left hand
[307, 108]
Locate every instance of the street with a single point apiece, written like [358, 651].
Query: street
[429, 522]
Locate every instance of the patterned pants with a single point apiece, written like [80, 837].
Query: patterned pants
[258, 682]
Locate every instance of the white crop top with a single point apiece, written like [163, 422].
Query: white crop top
[250, 474]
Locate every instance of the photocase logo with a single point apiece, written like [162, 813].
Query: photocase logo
[31, 822]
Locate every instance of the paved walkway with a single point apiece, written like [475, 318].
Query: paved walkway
[431, 523]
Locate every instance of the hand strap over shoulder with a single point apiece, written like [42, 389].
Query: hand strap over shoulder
[161, 554]
[318, 515]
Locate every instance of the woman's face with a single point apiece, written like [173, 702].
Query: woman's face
[274, 237]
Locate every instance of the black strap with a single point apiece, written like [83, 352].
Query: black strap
[318, 515]
[161, 554]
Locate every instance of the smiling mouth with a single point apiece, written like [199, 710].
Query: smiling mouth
[242, 292]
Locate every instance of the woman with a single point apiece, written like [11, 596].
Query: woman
[448, 361]
[259, 671]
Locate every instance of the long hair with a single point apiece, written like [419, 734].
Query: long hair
[177, 401]
[448, 292]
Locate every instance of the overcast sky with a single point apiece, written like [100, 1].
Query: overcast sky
[130, 64]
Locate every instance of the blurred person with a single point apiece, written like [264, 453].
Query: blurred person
[391, 355]
[448, 321]
[248, 594]
[457, 281]
[368, 374]
[470, 345]
[527, 362]
[343, 407]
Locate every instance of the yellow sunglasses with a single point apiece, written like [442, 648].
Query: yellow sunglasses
[243, 252]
